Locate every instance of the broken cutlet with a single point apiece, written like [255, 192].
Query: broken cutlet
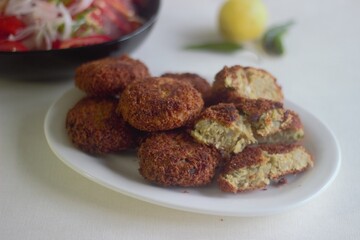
[256, 166]
[223, 127]
[270, 121]
[245, 82]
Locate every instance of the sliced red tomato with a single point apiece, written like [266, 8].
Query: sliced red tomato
[10, 25]
[89, 22]
[9, 46]
[95, 18]
[84, 41]
[118, 20]
[135, 24]
[124, 7]
[56, 44]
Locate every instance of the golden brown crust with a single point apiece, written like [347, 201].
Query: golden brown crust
[296, 123]
[173, 158]
[231, 72]
[250, 156]
[221, 94]
[278, 148]
[109, 76]
[254, 108]
[159, 103]
[195, 80]
[224, 113]
[94, 127]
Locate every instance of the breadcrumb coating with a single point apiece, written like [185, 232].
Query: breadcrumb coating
[159, 103]
[109, 76]
[94, 127]
[173, 158]
[196, 81]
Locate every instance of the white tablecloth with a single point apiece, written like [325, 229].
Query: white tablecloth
[42, 198]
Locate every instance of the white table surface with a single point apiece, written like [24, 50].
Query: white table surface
[42, 198]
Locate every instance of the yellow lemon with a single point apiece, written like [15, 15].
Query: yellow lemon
[243, 20]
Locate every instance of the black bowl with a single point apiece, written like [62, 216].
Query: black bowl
[61, 63]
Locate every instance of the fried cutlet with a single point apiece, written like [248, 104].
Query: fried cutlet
[109, 76]
[173, 158]
[224, 127]
[256, 166]
[94, 127]
[270, 121]
[195, 80]
[159, 103]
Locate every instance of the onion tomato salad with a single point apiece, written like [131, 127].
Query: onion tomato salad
[27, 25]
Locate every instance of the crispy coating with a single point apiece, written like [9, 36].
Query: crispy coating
[173, 159]
[195, 80]
[109, 76]
[224, 113]
[254, 108]
[256, 166]
[245, 82]
[94, 127]
[159, 103]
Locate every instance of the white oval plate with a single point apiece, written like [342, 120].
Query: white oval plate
[120, 172]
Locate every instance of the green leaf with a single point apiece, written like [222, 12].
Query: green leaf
[272, 40]
[223, 47]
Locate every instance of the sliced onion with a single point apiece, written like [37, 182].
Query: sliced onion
[38, 38]
[80, 6]
[19, 7]
[45, 11]
[22, 34]
[48, 41]
[67, 21]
